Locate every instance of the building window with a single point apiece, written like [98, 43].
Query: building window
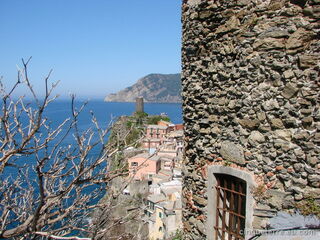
[160, 229]
[160, 214]
[147, 213]
[151, 205]
[134, 164]
[230, 208]
[230, 202]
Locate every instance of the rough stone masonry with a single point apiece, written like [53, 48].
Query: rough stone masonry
[251, 94]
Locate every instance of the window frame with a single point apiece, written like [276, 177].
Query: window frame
[212, 182]
[134, 164]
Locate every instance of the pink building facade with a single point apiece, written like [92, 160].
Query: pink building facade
[155, 134]
[156, 131]
[151, 143]
[142, 167]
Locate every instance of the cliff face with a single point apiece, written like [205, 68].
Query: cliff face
[122, 216]
[153, 88]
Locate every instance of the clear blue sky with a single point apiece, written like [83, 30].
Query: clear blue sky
[93, 46]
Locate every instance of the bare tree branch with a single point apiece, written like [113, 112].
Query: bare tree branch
[49, 186]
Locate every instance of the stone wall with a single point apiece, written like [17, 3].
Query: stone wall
[251, 94]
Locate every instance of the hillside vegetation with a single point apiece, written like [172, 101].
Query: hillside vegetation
[162, 88]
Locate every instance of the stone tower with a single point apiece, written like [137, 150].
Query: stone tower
[251, 106]
[139, 104]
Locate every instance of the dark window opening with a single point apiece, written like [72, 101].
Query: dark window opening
[151, 205]
[230, 207]
[134, 164]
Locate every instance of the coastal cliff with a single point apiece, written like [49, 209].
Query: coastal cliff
[161, 88]
[122, 216]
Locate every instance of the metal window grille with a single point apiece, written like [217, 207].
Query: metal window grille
[230, 208]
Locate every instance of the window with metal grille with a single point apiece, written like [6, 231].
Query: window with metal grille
[230, 207]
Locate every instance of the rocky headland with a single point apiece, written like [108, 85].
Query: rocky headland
[122, 216]
[162, 88]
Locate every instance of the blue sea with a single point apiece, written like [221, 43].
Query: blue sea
[105, 112]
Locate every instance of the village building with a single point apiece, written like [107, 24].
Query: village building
[160, 178]
[143, 166]
[164, 210]
[163, 133]
[152, 212]
[177, 173]
[167, 162]
[176, 137]
[172, 220]
[164, 123]
[156, 131]
[160, 168]
[167, 220]
[155, 135]
[151, 144]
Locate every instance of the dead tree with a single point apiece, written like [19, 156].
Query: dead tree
[48, 188]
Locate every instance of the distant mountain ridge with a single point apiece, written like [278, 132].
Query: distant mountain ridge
[162, 88]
